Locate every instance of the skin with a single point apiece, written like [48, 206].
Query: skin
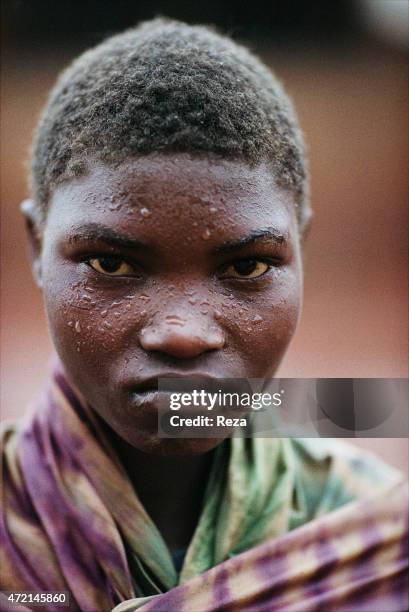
[177, 302]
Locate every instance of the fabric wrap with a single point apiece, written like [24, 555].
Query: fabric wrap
[292, 525]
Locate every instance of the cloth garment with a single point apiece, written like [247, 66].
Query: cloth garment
[284, 523]
[354, 559]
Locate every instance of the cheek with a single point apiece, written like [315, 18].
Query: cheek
[265, 323]
[90, 327]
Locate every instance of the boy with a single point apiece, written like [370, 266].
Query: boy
[169, 202]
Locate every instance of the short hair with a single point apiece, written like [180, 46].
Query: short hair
[166, 86]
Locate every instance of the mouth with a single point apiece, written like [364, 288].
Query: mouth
[160, 386]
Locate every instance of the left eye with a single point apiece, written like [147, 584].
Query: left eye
[246, 268]
[111, 266]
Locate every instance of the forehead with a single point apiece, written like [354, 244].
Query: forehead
[178, 188]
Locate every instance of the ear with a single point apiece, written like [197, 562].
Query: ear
[32, 222]
[306, 225]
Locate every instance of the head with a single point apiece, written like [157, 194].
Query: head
[169, 202]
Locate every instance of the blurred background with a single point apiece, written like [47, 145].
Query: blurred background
[345, 65]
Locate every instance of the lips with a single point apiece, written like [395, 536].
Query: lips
[153, 392]
[150, 385]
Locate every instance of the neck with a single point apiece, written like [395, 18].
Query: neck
[170, 489]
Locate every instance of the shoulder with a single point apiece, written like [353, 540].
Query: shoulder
[330, 473]
[347, 459]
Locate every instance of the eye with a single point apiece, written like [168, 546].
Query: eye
[111, 266]
[246, 268]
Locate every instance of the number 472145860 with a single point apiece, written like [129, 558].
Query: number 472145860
[34, 598]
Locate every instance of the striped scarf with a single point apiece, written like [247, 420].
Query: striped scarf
[286, 524]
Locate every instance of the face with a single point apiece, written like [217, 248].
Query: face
[168, 266]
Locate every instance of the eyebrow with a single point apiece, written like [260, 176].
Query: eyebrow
[102, 233]
[269, 234]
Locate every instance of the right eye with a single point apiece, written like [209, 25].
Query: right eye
[246, 269]
[111, 266]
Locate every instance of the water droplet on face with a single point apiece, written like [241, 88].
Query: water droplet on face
[104, 313]
[70, 323]
[212, 209]
[143, 312]
[204, 311]
[114, 205]
[128, 307]
[257, 319]
[117, 314]
[217, 313]
[77, 327]
[107, 325]
[206, 234]
[192, 301]
[144, 297]
[145, 212]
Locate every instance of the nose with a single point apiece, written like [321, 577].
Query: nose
[183, 340]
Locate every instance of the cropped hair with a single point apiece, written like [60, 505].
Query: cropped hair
[161, 87]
